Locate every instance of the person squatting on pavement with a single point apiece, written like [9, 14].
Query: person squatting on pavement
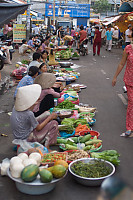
[25, 125]
[128, 79]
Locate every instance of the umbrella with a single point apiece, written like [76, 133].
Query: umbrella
[96, 21]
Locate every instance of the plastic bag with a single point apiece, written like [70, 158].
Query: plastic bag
[4, 166]
[25, 146]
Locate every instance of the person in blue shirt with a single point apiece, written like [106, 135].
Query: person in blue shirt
[30, 42]
[28, 79]
[108, 37]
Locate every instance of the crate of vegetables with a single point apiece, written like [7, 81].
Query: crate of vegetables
[50, 158]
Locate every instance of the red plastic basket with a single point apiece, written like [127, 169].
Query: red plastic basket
[93, 133]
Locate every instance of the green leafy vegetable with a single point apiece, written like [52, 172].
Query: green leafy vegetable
[93, 169]
[67, 128]
[65, 105]
[109, 155]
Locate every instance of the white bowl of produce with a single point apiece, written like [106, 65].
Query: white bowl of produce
[107, 169]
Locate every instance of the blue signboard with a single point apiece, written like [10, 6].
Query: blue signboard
[74, 10]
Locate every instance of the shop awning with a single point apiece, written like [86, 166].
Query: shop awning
[10, 11]
[110, 20]
[124, 21]
[126, 7]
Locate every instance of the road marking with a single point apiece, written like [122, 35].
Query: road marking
[124, 101]
[103, 71]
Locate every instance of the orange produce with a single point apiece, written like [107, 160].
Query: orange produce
[61, 162]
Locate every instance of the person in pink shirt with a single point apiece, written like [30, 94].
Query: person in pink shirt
[72, 32]
[128, 79]
[46, 101]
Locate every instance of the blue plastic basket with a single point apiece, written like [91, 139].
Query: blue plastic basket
[92, 123]
[66, 135]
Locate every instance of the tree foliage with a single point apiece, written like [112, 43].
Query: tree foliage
[101, 6]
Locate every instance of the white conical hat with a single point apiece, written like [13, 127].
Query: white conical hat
[45, 80]
[27, 96]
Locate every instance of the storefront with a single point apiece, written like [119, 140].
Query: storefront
[79, 13]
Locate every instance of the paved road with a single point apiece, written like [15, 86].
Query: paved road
[96, 73]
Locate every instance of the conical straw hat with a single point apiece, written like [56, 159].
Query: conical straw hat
[45, 80]
[27, 96]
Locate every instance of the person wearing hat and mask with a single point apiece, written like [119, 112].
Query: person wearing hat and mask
[46, 101]
[25, 126]
[28, 79]
[128, 35]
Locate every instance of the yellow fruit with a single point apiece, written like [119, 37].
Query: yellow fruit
[61, 162]
[58, 171]
[17, 65]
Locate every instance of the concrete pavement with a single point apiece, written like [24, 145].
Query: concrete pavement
[96, 73]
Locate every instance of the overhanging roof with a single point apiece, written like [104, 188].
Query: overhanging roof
[10, 11]
[110, 20]
[126, 7]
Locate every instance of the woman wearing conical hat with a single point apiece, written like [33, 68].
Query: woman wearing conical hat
[24, 125]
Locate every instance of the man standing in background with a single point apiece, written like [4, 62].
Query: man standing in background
[128, 35]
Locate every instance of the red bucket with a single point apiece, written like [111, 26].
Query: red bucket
[93, 133]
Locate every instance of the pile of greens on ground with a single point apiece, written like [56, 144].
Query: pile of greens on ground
[75, 55]
[93, 169]
[74, 122]
[109, 155]
[26, 62]
[65, 105]
[70, 124]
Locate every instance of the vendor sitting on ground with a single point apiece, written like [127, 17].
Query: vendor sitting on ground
[46, 101]
[28, 79]
[24, 47]
[25, 126]
[44, 56]
[53, 43]
[43, 68]
[58, 86]
[36, 60]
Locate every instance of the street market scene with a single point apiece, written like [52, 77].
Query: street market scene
[66, 95]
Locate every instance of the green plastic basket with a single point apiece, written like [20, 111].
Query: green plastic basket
[94, 150]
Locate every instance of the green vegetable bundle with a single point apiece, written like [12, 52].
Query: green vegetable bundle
[26, 62]
[67, 128]
[74, 122]
[75, 54]
[109, 155]
[65, 105]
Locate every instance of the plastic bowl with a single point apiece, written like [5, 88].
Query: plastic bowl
[93, 122]
[91, 181]
[94, 133]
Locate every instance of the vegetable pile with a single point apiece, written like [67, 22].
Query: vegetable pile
[86, 143]
[70, 124]
[109, 155]
[93, 169]
[52, 157]
[77, 154]
[66, 104]
[75, 55]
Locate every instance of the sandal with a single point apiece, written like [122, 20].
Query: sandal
[126, 134]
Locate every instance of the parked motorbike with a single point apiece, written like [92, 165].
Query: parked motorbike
[83, 47]
[2, 58]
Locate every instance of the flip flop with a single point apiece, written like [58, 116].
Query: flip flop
[126, 134]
